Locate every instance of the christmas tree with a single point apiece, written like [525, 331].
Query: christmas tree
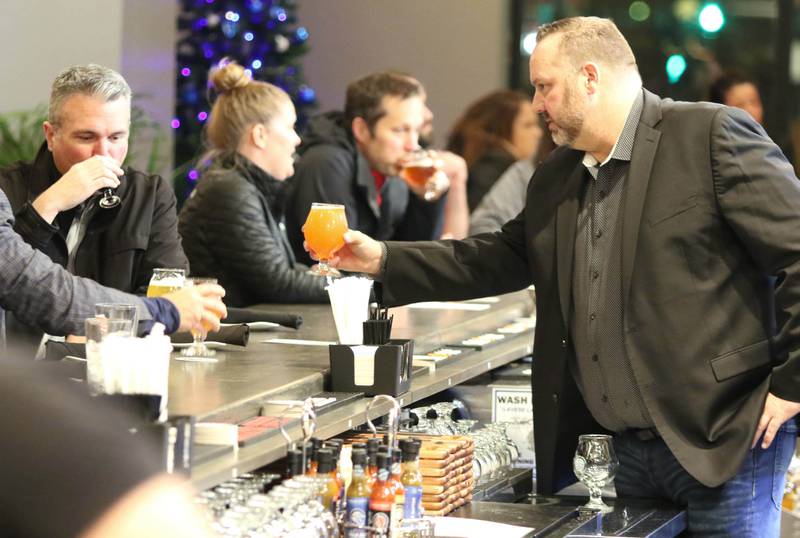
[262, 35]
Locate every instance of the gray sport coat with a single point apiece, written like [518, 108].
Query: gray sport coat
[42, 293]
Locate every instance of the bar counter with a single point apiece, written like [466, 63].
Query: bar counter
[239, 384]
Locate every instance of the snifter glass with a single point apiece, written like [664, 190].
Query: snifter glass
[199, 351]
[595, 465]
[324, 234]
[418, 168]
[165, 280]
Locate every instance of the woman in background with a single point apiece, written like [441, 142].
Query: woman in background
[506, 198]
[232, 225]
[735, 89]
[493, 133]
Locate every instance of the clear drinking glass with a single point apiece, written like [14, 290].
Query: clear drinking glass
[198, 351]
[117, 311]
[324, 234]
[595, 465]
[418, 168]
[165, 280]
[96, 329]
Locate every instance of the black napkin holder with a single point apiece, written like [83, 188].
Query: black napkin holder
[392, 375]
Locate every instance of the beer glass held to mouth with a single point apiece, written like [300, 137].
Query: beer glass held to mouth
[324, 234]
[418, 170]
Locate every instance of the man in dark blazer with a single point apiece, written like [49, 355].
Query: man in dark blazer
[653, 237]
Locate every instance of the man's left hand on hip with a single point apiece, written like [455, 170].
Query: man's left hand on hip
[776, 412]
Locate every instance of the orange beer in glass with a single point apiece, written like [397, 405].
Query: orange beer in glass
[324, 234]
[417, 169]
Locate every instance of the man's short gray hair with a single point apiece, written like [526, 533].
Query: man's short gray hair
[91, 79]
[586, 39]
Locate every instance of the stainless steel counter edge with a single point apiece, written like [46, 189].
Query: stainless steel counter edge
[350, 415]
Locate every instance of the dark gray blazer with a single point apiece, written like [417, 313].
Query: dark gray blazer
[42, 293]
[712, 212]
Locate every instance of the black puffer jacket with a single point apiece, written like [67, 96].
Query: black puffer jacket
[332, 170]
[484, 173]
[232, 230]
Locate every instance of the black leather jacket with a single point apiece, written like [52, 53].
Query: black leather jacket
[232, 230]
[121, 246]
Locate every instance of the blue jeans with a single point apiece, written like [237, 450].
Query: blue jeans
[747, 505]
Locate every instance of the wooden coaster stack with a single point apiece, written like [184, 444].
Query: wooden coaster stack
[446, 465]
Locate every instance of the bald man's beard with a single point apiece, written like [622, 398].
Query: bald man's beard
[570, 122]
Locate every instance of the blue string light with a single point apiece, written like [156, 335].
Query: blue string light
[306, 94]
[278, 13]
[230, 29]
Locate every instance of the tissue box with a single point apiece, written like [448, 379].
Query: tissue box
[391, 372]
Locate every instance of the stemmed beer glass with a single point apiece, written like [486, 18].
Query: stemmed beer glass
[324, 234]
[595, 465]
[418, 169]
[109, 198]
[199, 351]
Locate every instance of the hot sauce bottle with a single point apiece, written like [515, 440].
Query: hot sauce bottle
[412, 480]
[397, 488]
[316, 445]
[329, 488]
[358, 495]
[372, 454]
[294, 464]
[381, 499]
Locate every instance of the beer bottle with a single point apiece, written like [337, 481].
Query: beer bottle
[294, 464]
[329, 488]
[382, 497]
[412, 480]
[358, 495]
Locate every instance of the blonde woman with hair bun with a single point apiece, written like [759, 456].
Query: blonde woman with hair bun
[232, 225]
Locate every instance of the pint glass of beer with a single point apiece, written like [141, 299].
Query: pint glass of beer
[324, 234]
[417, 171]
[165, 280]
